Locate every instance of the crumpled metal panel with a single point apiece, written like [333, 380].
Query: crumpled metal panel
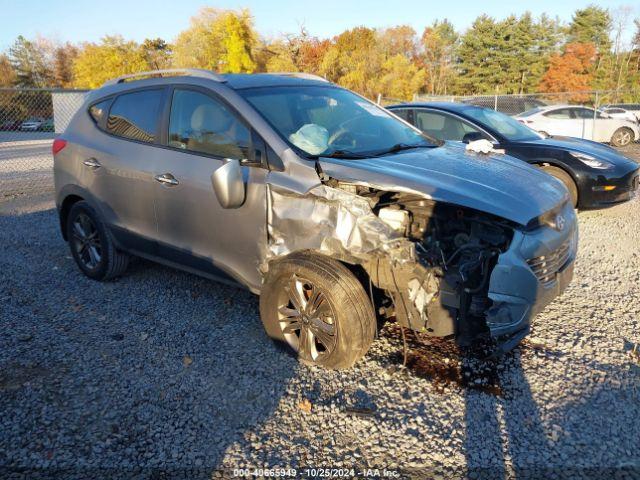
[331, 221]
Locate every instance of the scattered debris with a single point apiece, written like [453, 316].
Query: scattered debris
[305, 405]
[118, 337]
[187, 360]
[359, 412]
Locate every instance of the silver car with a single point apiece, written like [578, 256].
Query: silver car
[337, 212]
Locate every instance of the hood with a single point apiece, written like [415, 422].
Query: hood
[595, 149]
[496, 184]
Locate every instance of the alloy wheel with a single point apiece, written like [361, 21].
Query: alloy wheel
[307, 319]
[622, 137]
[86, 241]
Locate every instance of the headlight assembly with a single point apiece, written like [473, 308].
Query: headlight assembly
[591, 161]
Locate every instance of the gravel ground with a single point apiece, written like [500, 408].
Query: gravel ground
[162, 371]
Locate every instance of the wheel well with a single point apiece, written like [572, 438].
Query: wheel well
[67, 203]
[560, 167]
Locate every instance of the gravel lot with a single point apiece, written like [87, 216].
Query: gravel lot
[162, 371]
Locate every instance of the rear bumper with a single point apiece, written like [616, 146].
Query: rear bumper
[624, 183]
[517, 293]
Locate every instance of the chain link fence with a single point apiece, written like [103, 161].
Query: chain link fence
[29, 121]
[515, 104]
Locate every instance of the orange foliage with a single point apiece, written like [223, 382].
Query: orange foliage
[572, 71]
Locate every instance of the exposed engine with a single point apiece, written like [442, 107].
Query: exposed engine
[456, 251]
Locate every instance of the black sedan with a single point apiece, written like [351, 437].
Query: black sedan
[596, 175]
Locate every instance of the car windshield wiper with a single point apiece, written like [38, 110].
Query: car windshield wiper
[341, 154]
[398, 147]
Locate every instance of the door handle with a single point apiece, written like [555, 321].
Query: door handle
[167, 179]
[92, 163]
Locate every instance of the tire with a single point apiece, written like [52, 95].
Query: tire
[102, 262]
[622, 136]
[338, 322]
[565, 178]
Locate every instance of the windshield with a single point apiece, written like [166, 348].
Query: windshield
[503, 124]
[330, 121]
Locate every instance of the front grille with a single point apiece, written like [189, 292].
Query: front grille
[545, 267]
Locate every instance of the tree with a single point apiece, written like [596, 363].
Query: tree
[571, 71]
[400, 78]
[353, 61]
[113, 56]
[7, 74]
[439, 43]
[400, 40]
[30, 63]
[220, 40]
[156, 53]
[63, 58]
[591, 25]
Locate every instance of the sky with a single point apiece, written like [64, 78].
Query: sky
[79, 21]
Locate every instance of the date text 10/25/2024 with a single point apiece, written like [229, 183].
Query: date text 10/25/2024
[315, 473]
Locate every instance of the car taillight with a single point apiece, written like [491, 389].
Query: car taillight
[58, 144]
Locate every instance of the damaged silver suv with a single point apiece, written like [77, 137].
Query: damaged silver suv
[338, 213]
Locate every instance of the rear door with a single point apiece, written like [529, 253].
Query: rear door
[194, 230]
[118, 165]
[561, 122]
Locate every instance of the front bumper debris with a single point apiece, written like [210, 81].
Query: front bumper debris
[517, 293]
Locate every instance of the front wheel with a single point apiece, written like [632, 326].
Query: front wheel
[565, 178]
[319, 308]
[621, 137]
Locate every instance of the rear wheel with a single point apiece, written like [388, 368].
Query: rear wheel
[565, 178]
[621, 137]
[319, 308]
[91, 244]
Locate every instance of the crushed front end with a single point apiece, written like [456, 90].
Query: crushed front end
[434, 267]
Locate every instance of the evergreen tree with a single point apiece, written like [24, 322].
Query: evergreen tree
[29, 61]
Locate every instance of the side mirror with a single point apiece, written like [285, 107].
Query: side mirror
[472, 137]
[228, 184]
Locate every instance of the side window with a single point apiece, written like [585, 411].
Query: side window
[583, 113]
[404, 113]
[98, 111]
[199, 123]
[443, 126]
[135, 115]
[560, 114]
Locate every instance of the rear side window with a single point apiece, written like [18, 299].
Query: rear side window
[198, 123]
[135, 115]
[561, 114]
[98, 111]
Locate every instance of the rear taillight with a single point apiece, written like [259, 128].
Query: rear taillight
[58, 144]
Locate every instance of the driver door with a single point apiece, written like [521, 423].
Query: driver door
[194, 230]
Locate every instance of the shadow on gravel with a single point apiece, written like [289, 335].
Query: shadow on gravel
[154, 373]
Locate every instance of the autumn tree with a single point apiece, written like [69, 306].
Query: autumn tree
[156, 53]
[7, 74]
[571, 71]
[113, 56]
[439, 45]
[220, 40]
[63, 58]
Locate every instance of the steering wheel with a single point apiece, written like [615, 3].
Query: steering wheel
[342, 134]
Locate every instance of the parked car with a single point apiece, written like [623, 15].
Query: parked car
[336, 212]
[581, 122]
[629, 107]
[596, 175]
[10, 125]
[509, 104]
[615, 112]
[47, 125]
[31, 125]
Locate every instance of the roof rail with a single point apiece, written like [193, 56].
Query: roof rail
[307, 76]
[193, 72]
